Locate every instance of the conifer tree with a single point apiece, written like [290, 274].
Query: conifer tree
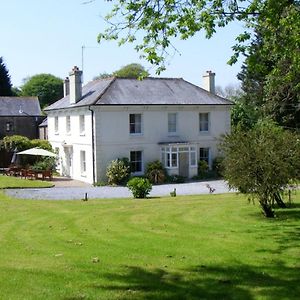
[5, 84]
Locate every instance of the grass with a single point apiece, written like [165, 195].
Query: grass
[7, 182]
[192, 247]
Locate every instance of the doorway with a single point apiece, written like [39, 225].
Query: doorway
[184, 164]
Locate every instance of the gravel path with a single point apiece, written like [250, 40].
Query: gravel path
[72, 193]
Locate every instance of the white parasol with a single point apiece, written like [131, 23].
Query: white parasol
[37, 151]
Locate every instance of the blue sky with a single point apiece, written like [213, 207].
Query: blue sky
[46, 36]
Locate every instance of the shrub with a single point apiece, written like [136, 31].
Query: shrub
[155, 172]
[45, 163]
[100, 183]
[23, 143]
[118, 171]
[217, 166]
[202, 168]
[176, 179]
[140, 187]
[16, 141]
[43, 144]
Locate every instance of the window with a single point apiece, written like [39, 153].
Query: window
[81, 125]
[172, 120]
[193, 162]
[136, 162]
[9, 126]
[204, 154]
[56, 125]
[170, 157]
[204, 122]
[82, 162]
[68, 124]
[135, 123]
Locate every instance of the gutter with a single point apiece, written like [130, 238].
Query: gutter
[93, 143]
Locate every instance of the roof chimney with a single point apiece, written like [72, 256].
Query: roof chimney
[209, 82]
[66, 86]
[75, 85]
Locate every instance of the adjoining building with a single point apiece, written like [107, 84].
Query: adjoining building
[18, 116]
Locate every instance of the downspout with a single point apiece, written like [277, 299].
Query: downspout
[93, 144]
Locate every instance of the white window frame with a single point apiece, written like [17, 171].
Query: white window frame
[135, 124]
[68, 125]
[137, 161]
[193, 157]
[56, 124]
[83, 162]
[170, 156]
[172, 123]
[204, 125]
[82, 124]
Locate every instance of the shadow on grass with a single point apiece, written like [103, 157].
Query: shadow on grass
[207, 282]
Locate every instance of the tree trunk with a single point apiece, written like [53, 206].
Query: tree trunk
[267, 210]
[279, 201]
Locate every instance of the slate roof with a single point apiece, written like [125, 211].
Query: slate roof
[20, 106]
[149, 91]
[44, 123]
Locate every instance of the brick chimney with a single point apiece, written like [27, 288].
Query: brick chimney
[209, 82]
[66, 86]
[75, 85]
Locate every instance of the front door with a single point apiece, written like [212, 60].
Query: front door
[184, 164]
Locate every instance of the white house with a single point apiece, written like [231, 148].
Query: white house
[166, 119]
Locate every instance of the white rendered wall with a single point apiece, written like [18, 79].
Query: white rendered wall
[114, 141]
[73, 141]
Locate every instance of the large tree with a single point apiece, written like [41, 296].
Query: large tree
[261, 162]
[48, 88]
[5, 83]
[243, 114]
[160, 21]
[270, 75]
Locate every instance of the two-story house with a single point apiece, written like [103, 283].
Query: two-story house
[166, 119]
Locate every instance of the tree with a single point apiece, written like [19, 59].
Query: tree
[130, 71]
[103, 76]
[261, 162]
[5, 84]
[270, 75]
[46, 87]
[243, 114]
[160, 21]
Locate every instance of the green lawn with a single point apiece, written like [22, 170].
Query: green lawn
[193, 247]
[15, 182]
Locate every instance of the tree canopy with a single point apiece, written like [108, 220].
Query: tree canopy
[5, 83]
[46, 87]
[133, 70]
[160, 21]
[270, 75]
[261, 162]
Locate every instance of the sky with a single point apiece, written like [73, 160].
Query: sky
[47, 36]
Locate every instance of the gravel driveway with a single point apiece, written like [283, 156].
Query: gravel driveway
[72, 193]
